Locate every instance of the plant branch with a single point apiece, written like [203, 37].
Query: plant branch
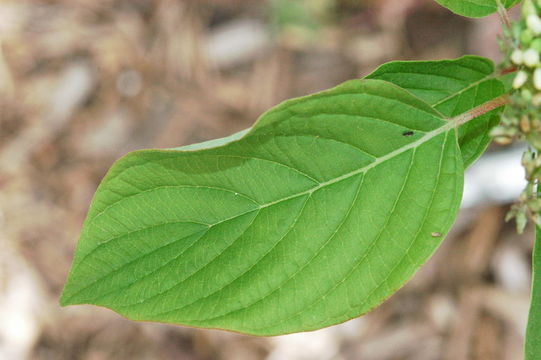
[508, 70]
[504, 16]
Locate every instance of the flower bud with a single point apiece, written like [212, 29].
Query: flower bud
[526, 95]
[536, 100]
[503, 135]
[526, 36]
[521, 220]
[517, 57]
[528, 161]
[525, 126]
[511, 214]
[498, 131]
[520, 79]
[534, 23]
[531, 57]
[503, 140]
[536, 44]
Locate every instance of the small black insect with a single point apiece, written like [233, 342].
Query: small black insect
[408, 133]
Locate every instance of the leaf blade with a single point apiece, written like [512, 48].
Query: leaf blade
[475, 9]
[279, 218]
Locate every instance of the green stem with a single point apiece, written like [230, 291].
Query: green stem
[504, 16]
[533, 339]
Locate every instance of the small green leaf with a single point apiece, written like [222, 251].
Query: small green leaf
[320, 212]
[452, 87]
[533, 333]
[475, 8]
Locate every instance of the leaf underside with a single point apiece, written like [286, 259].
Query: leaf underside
[475, 8]
[314, 216]
[533, 333]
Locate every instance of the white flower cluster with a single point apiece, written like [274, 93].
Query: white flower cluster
[527, 55]
[522, 118]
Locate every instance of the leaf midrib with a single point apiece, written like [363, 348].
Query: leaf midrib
[429, 135]
[460, 92]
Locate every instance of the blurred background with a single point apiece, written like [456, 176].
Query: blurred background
[82, 82]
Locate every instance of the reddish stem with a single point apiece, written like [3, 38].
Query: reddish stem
[481, 110]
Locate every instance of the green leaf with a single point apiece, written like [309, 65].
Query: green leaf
[321, 211]
[452, 87]
[533, 333]
[475, 8]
